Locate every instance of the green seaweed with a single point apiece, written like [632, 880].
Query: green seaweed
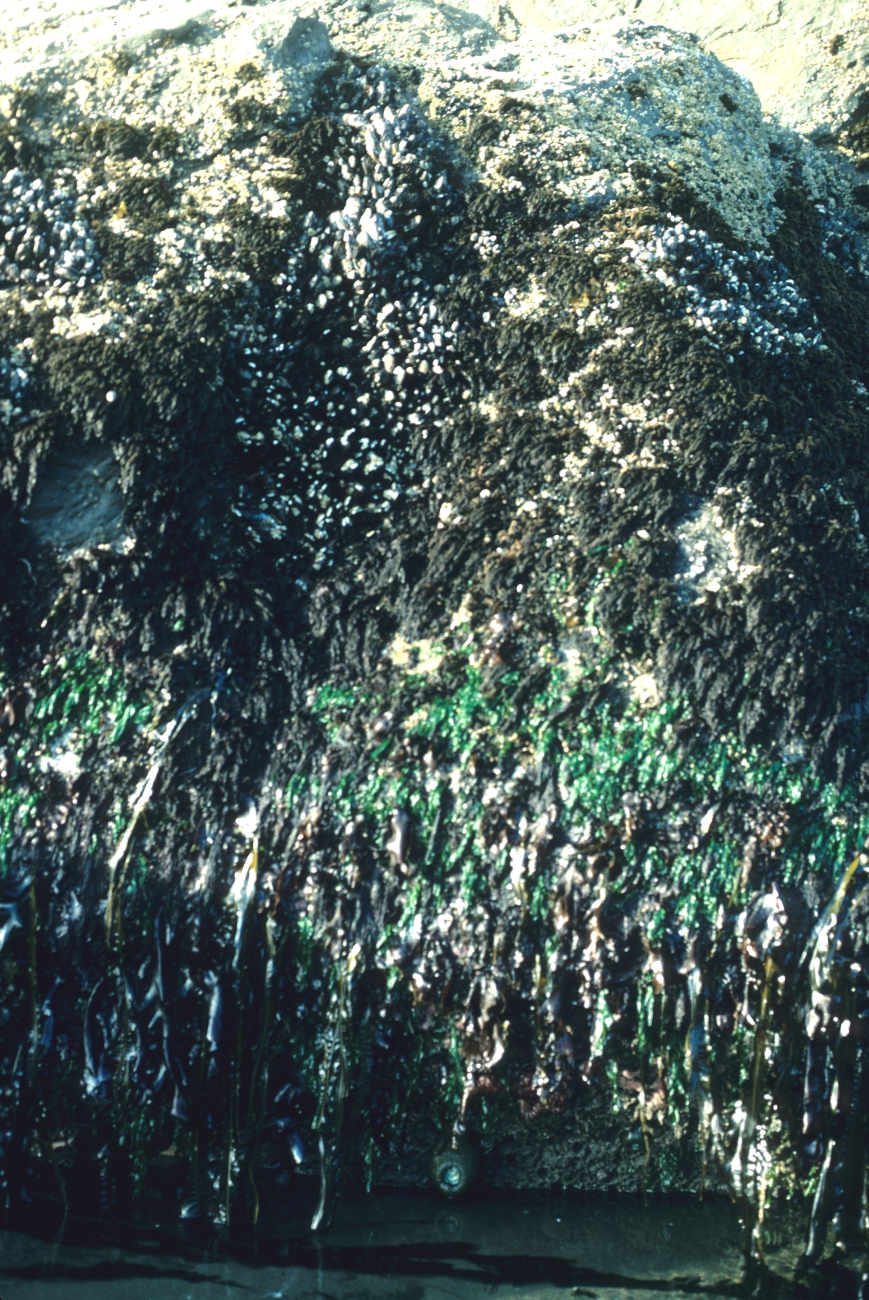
[469, 720]
[78, 697]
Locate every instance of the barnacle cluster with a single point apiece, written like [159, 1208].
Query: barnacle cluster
[336, 452]
[44, 241]
[751, 288]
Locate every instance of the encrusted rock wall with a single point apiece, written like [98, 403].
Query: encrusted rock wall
[806, 60]
[433, 631]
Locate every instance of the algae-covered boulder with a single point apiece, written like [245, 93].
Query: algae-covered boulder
[434, 713]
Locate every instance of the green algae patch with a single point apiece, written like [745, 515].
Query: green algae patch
[73, 701]
[613, 839]
[80, 693]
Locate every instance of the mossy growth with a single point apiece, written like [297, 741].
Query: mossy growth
[117, 139]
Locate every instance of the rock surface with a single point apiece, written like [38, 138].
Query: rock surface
[77, 503]
[808, 60]
[464, 726]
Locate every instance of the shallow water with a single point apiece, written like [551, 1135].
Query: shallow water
[399, 1246]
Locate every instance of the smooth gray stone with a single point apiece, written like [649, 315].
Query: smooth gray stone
[306, 43]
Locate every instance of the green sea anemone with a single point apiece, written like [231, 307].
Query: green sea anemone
[455, 1165]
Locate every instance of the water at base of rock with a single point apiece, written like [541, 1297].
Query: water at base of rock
[403, 1245]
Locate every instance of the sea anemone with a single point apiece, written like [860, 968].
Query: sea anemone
[455, 1165]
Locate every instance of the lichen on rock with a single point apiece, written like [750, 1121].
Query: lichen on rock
[467, 736]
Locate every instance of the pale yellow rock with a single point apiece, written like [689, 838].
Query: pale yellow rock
[784, 47]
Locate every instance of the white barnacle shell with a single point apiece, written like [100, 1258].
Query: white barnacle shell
[397, 846]
[370, 229]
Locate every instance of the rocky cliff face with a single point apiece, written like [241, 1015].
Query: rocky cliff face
[434, 633]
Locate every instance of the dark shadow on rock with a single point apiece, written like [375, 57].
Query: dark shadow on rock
[77, 502]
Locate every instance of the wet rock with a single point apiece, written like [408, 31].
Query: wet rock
[489, 410]
[77, 502]
[306, 43]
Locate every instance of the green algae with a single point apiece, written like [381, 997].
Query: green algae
[617, 750]
[17, 813]
[75, 699]
[91, 696]
[700, 790]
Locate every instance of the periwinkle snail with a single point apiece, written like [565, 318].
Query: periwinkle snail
[455, 1165]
